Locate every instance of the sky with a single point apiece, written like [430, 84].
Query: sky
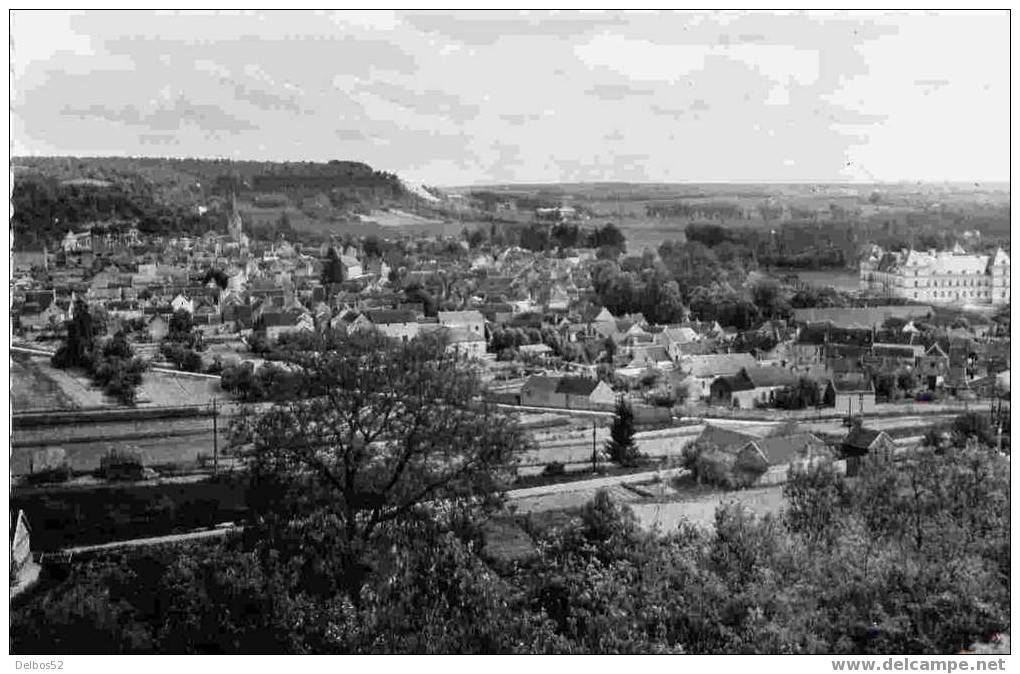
[470, 98]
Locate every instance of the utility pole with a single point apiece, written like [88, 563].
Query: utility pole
[215, 440]
[594, 451]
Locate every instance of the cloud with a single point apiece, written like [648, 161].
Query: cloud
[466, 97]
[641, 59]
[616, 92]
[350, 134]
[424, 101]
[520, 118]
[166, 117]
[487, 27]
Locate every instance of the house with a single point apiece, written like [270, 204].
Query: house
[703, 370]
[497, 312]
[772, 458]
[351, 267]
[852, 395]
[402, 325]
[349, 321]
[723, 438]
[24, 569]
[567, 392]
[33, 318]
[603, 323]
[206, 313]
[867, 318]
[182, 303]
[860, 442]
[472, 321]
[933, 366]
[716, 451]
[465, 342]
[416, 308]
[158, 328]
[674, 338]
[892, 357]
[268, 291]
[278, 323]
[535, 350]
[242, 315]
[559, 299]
[650, 355]
[750, 387]
[540, 391]
[899, 350]
[77, 242]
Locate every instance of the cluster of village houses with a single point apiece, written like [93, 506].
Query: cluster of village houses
[276, 288]
[836, 349]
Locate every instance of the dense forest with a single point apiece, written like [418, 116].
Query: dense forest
[54, 194]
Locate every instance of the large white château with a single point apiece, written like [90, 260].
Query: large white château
[938, 277]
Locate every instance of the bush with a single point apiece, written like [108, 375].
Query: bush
[974, 425]
[662, 399]
[182, 357]
[61, 473]
[554, 468]
[711, 465]
[118, 464]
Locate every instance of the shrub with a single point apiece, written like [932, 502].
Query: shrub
[61, 473]
[554, 468]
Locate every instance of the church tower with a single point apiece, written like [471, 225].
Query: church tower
[235, 228]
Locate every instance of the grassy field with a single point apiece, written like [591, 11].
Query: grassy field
[840, 279]
[37, 385]
[33, 389]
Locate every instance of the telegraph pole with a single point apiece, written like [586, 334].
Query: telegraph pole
[215, 440]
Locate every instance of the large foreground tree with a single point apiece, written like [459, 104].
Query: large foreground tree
[381, 433]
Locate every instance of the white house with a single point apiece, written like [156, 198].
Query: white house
[465, 342]
[402, 325]
[180, 302]
[472, 321]
[703, 370]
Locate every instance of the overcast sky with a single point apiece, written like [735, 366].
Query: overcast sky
[472, 98]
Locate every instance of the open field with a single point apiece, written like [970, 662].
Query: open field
[76, 389]
[37, 385]
[33, 389]
[840, 279]
[700, 510]
[398, 218]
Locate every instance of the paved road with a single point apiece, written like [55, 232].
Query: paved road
[221, 530]
[556, 410]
